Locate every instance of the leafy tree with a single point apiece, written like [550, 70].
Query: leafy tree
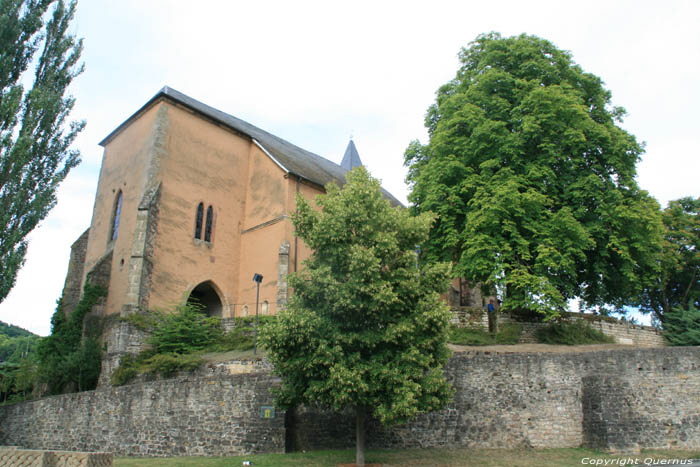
[365, 328]
[34, 144]
[532, 180]
[678, 283]
[682, 326]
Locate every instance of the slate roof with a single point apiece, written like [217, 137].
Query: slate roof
[289, 157]
[351, 159]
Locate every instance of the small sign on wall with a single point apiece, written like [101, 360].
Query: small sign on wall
[267, 411]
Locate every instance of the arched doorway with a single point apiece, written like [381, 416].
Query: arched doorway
[205, 295]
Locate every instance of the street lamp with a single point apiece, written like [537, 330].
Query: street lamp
[258, 279]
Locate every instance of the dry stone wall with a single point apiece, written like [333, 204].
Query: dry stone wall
[615, 399]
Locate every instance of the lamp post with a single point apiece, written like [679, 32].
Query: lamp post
[258, 279]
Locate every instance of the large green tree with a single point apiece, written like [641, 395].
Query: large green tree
[34, 141]
[533, 180]
[364, 328]
[677, 286]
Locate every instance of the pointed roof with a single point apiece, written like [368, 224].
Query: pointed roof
[351, 159]
[289, 157]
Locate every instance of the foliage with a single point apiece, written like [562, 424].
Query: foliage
[241, 337]
[365, 327]
[125, 372]
[573, 333]
[12, 349]
[682, 326]
[34, 144]
[167, 364]
[507, 334]
[10, 330]
[679, 280]
[533, 181]
[178, 339]
[17, 362]
[184, 331]
[67, 361]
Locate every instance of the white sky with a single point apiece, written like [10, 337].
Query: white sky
[315, 73]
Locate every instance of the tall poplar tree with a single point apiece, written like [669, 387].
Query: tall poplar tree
[35, 137]
[365, 328]
[533, 180]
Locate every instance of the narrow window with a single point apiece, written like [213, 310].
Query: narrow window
[198, 222]
[207, 228]
[116, 213]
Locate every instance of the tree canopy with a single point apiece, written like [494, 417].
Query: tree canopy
[34, 143]
[365, 328]
[533, 180]
[678, 283]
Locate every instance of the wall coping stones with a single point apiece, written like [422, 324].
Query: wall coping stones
[12, 456]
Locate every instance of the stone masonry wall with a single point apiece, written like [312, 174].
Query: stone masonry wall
[218, 416]
[621, 400]
[615, 399]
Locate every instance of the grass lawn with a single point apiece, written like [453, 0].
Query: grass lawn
[418, 457]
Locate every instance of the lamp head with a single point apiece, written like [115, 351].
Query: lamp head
[257, 278]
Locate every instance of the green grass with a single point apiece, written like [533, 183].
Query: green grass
[576, 333]
[508, 334]
[412, 457]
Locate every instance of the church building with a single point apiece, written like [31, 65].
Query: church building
[191, 203]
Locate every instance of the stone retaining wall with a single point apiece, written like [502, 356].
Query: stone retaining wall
[218, 415]
[615, 399]
[618, 400]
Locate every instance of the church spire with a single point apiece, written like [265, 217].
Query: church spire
[351, 159]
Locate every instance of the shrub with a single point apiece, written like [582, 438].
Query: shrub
[167, 364]
[242, 337]
[575, 333]
[185, 331]
[125, 372]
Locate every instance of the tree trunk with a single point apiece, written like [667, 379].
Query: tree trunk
[360, 431]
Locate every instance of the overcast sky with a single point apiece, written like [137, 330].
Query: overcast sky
[316, 73]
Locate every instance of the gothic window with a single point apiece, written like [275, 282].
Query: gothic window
[207, 228]
[116, 213]
[198, 222]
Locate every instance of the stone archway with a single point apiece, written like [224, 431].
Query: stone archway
[206, 296]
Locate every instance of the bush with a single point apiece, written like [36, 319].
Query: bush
[508, 334]
[125, 372]
[167, 364]
[575, 333]
[185, 331]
